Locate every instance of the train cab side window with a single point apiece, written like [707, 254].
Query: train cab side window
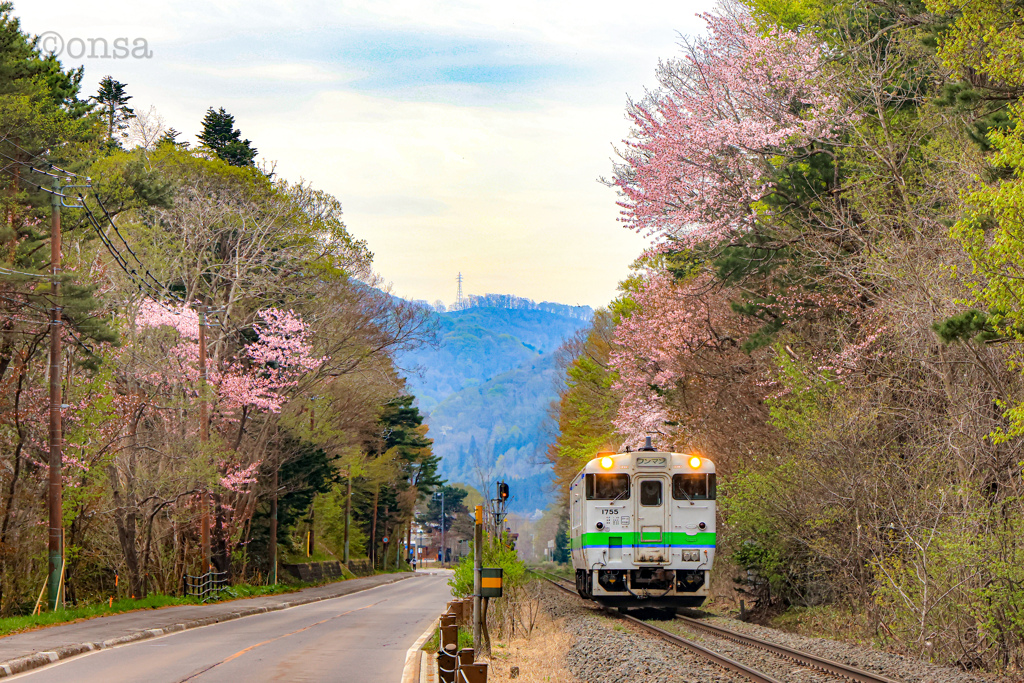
[694, 486]
[650, 492]
[607, 487]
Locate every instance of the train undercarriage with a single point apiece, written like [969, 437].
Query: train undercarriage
[643, 587]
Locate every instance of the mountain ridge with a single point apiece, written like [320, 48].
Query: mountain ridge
[485, 391]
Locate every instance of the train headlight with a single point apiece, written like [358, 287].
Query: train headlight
[694, 462]
[606, 463]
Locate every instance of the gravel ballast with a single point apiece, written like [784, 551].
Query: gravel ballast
[894, 666]
[605, 648]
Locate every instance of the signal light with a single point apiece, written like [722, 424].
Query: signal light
[694, 462]
[606, 462]
[502, 490]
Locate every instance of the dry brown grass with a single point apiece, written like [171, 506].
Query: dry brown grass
[538, 657]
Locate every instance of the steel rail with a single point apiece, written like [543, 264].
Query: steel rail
[717, 658]
[804, 658]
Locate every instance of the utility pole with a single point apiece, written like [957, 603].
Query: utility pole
[478, 562]
[204, 437]
[56, 536]
[444, 548]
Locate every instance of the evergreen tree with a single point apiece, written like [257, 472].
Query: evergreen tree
[454, 506]
[220, 135]
[170, 137]
[114, 100]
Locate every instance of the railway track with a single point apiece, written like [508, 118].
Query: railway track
[803, 658]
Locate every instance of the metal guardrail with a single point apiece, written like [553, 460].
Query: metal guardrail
[455, 665]
[209, 586]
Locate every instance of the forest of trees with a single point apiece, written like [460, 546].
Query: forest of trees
[832, 310]
[170, 250]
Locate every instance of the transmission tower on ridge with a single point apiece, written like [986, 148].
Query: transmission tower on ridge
[458, 296]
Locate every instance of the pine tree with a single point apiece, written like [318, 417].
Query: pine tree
[113, 98]
[170, 137]
[220, 135]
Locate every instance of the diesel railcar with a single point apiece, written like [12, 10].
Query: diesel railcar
[642, 528]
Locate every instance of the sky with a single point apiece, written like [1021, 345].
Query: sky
[460, 136]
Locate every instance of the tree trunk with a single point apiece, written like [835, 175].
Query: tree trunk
[348, 514]
[373, 529]
[126, 523]
[311, 548]
[272, 550]
[220, 560]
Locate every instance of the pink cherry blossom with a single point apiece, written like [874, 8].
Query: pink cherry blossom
[705, 145]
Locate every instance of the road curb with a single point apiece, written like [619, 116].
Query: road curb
[19, 665]
[411, 672]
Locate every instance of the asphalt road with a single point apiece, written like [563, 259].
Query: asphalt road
[359, 637]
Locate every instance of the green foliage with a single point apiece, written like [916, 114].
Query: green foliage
[454, 506]
[760, 539]
[494, 555]
[991, 231]
[791, 14]
[562, 553]
[972, 324]
[309, 471]
[220, 135]
[329, 513]
[433, 644]
[113, 99]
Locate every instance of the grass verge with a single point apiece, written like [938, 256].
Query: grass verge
[433, 643]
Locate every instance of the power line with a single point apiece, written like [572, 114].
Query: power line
[132, 273]
[8, 271]
[153, 288]
[144, 287]
[28, 165]
[49, 165]
[130, 250]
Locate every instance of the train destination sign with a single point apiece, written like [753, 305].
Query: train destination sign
[648, 461]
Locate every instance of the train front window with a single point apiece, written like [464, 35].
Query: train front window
[607, 486]
[694, 486]
[650, 492]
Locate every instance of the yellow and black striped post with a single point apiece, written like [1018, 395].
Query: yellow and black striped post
[490, 582]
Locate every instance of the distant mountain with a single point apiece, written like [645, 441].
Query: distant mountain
[485, 391]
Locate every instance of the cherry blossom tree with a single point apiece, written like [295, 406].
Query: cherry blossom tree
[705, 145]
[678, 358]
[258, 376]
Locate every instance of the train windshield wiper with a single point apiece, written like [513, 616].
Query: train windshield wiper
[685, 495]
[621, 494]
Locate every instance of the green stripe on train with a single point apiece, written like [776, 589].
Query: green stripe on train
[615, 539]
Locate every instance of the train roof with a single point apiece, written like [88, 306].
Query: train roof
[634, 462]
